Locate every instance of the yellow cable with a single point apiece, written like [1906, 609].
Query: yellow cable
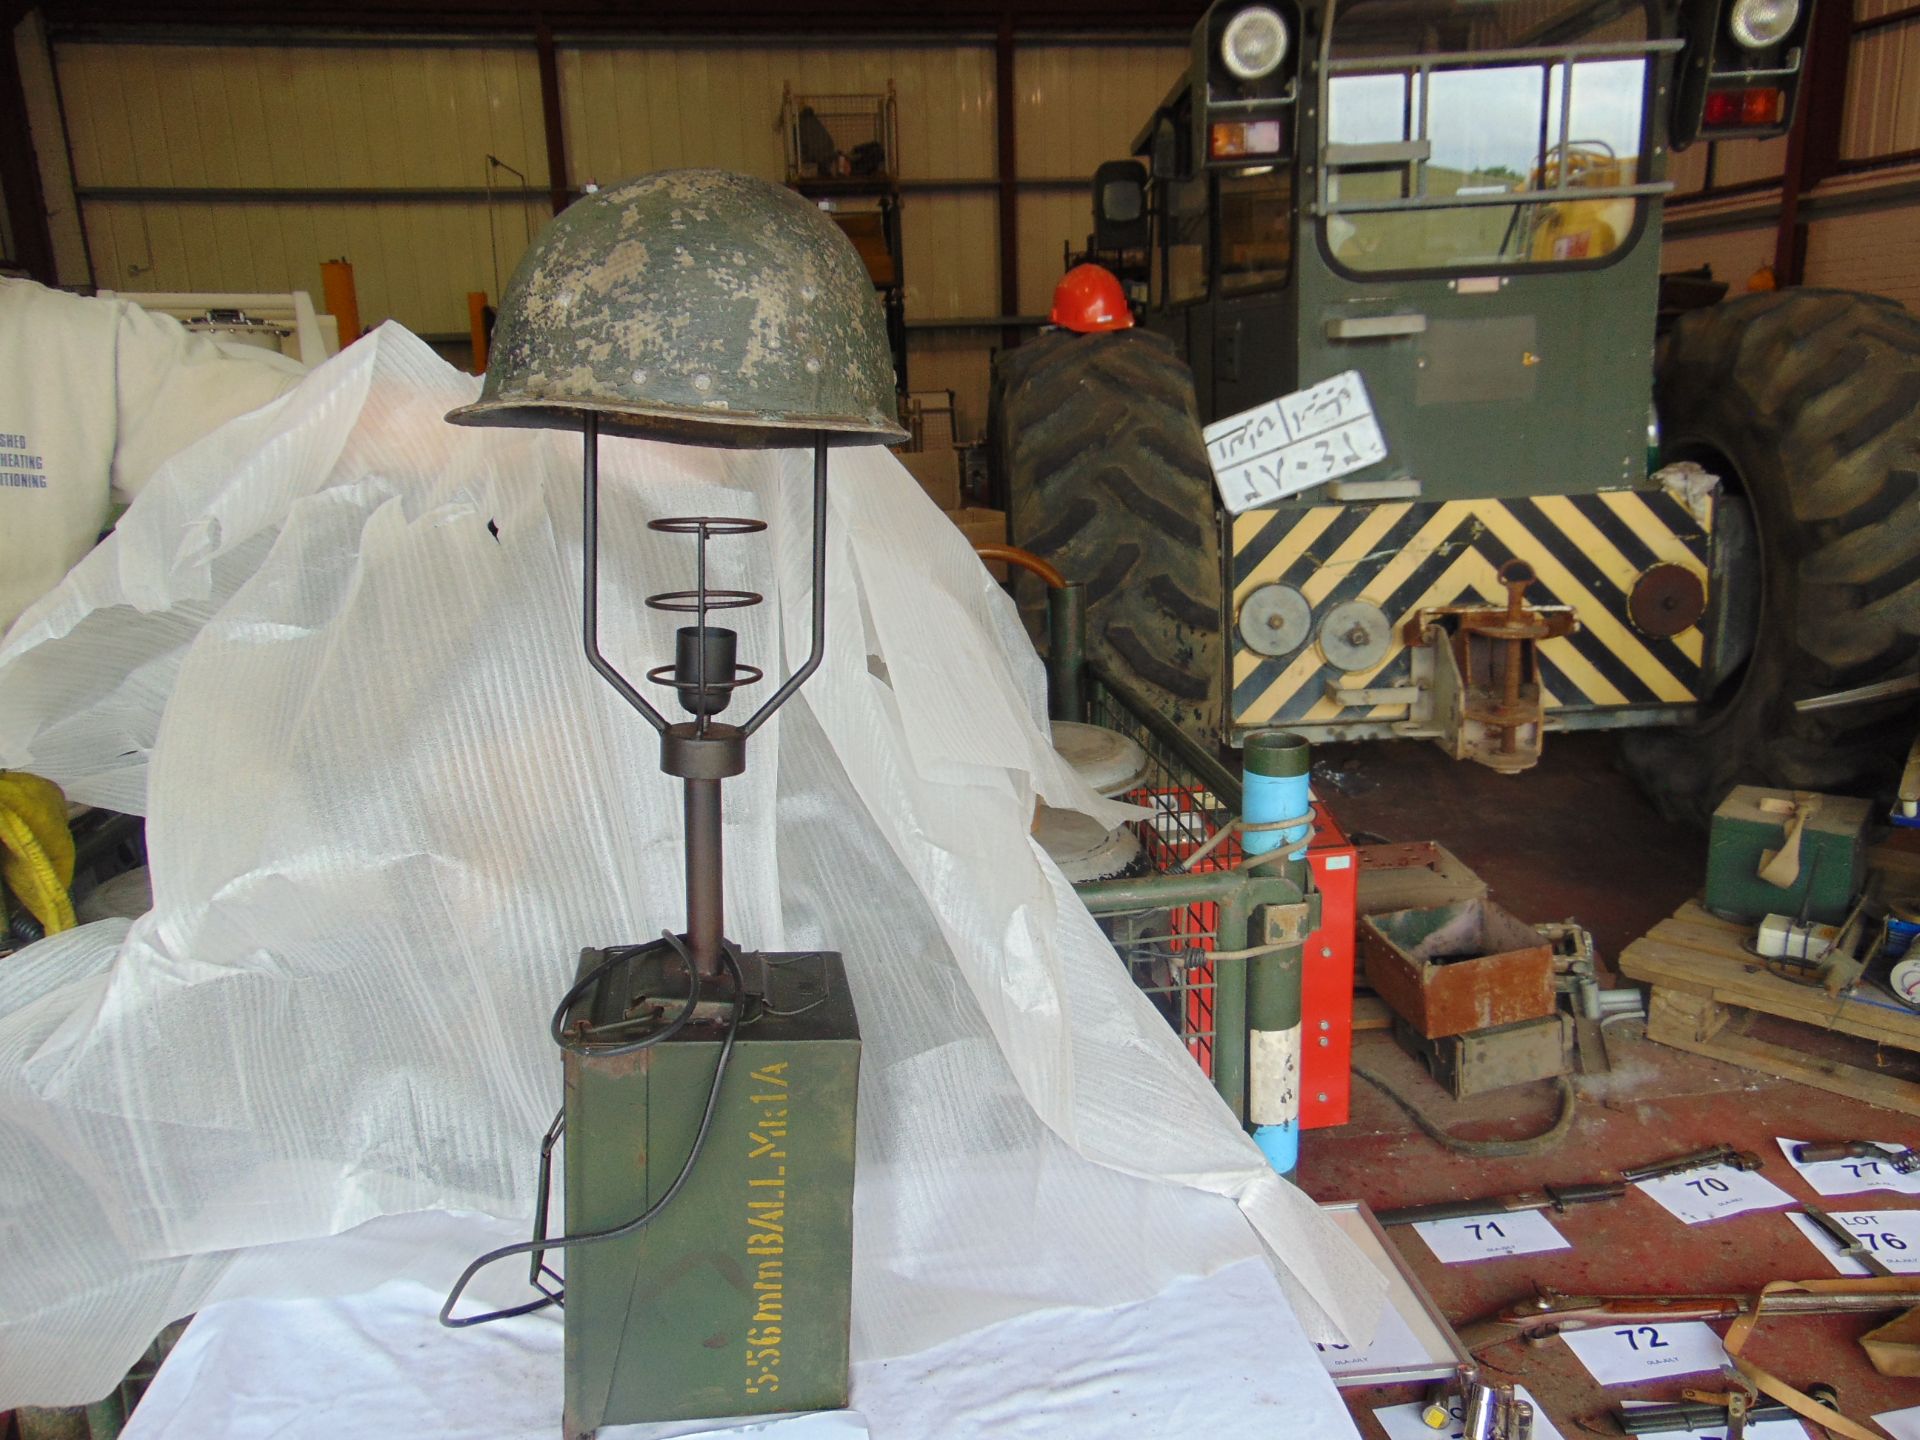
[36, 848]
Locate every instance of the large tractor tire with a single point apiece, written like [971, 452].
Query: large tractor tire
[1097, 440]
[1807, 404]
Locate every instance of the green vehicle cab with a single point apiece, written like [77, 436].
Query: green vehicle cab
[1458, 206]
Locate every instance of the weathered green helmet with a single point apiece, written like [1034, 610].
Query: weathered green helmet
[697, 306]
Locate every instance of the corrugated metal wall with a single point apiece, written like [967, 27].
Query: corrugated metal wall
[1074, 108]
[632, 109]
[353, 119]
[6, 230]
[1862, 223]
[387, 146]
[1884, 83]
[384, 148]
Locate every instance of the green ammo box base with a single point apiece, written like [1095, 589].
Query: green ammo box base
[736, 1300]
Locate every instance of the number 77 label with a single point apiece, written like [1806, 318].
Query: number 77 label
[1627, 1354]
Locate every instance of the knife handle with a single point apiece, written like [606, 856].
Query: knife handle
[1461, 1209]
[1833, 1150]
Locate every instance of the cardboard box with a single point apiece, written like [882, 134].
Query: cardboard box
[938, 472]
[982, 526]
[1466, 965]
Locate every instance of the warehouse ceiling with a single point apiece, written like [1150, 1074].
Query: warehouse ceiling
[706, 17]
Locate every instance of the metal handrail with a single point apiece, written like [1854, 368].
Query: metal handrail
[1517, 197]
[1562, 57]
[1514, 55]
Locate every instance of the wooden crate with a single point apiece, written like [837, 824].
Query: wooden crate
[1706, 985]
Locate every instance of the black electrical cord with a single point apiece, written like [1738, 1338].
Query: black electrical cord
[580, 1045]
[541, 1243]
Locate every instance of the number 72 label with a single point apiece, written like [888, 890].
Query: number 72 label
[1627, 1354]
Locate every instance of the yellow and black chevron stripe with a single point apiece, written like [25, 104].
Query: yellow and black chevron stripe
[1404, 556]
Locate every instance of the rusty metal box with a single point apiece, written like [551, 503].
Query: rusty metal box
[1466, 965]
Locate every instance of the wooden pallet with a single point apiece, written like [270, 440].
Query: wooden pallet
[1705, 983]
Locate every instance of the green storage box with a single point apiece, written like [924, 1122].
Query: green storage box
[1752, 822]
[737, 1299]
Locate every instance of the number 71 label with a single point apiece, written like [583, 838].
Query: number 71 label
[1489, 1237]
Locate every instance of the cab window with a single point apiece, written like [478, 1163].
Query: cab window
[1256, 228]
[1419, 159]
[1185, 223]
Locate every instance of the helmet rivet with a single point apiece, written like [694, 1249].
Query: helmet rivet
[639, 377]
[813, 364]
[703, 382]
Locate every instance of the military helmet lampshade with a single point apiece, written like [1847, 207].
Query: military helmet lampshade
[696, 306]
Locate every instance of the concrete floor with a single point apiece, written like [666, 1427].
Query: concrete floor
[1573, 839]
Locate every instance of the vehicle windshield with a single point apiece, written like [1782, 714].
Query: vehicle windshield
[1427, 132]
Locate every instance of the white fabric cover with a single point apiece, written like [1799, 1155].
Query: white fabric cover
[1215, 1356]
[332, 653]
[94, 395]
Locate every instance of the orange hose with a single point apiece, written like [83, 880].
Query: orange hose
[1026, 560]
[336, 289]
[477, 325]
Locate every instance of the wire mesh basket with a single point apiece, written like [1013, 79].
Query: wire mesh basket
[1166, 924]
[841, 137]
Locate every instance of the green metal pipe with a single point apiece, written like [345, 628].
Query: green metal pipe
[1277, 766]
[1240, 896]
[1230, 1005]
[1161, 892]
[1067, 652]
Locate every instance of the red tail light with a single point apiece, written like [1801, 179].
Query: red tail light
[1744, 109]
[1762, 107]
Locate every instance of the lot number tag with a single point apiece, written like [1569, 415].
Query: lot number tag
[1696, 1196]
[1629, 1354]
[1891, 1236]
[1394, 1347]
[1488, 1237]
[1901, 1424]
[1850, 1177]
[1403, 1422]
[1293, 443]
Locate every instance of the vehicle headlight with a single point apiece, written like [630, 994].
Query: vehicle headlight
[1756, 24]
[1255, 41]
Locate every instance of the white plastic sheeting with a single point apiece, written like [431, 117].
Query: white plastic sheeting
[332, 653]
[1215, 1355]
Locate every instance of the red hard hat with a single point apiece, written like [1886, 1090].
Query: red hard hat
[1089, 298]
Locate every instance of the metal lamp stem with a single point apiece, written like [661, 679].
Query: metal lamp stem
[702, 753]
